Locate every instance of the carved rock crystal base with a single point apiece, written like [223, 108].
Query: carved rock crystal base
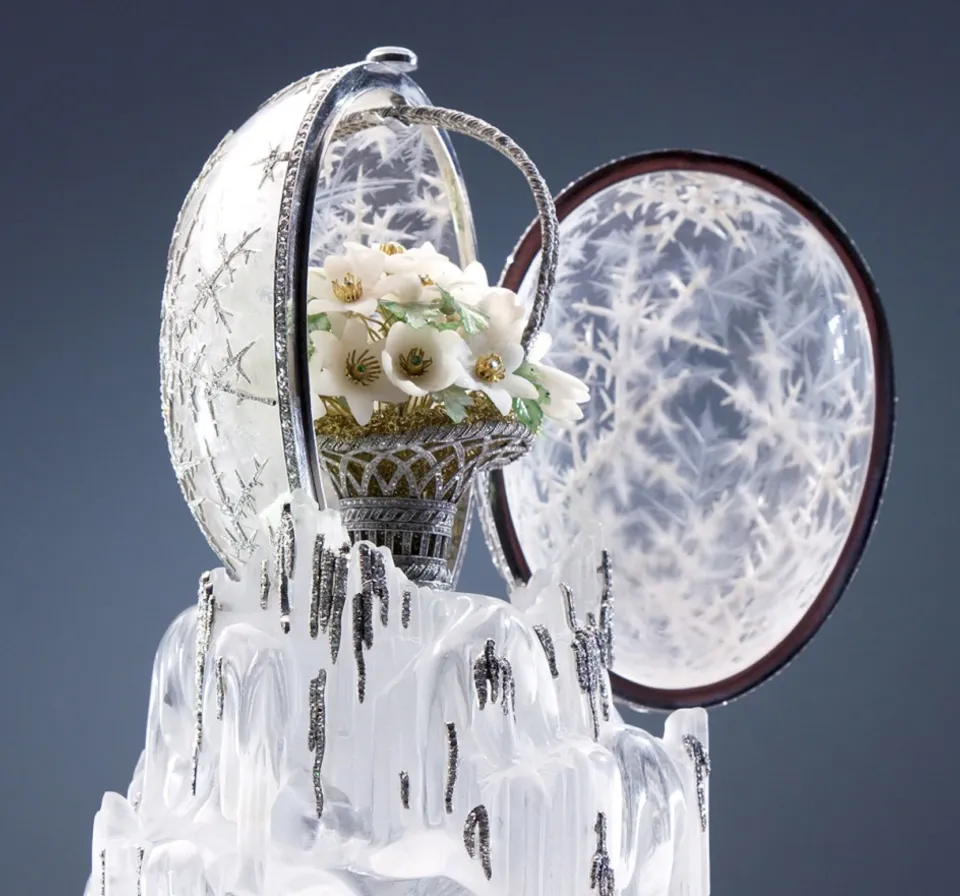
[323, 726]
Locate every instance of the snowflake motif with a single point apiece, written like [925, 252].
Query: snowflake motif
[219, 379]
[724, 449]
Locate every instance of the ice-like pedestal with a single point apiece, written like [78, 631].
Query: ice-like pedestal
[358, 735]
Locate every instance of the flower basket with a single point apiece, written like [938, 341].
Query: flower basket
[401, 489]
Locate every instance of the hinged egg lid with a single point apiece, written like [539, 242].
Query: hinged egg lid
[735, 446]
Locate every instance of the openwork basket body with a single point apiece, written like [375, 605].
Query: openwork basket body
[402, 490]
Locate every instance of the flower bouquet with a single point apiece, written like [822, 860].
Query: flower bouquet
[420, 380]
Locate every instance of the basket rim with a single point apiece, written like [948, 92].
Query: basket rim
[451, 432]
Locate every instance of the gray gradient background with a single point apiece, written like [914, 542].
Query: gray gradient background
[839, 777]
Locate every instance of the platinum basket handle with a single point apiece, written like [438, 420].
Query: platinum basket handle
[468, 125]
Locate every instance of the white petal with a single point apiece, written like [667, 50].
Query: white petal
[518, 386]
[500, 397]
[561, 385]
[369, 268]
[354, 334]
[476, 274]
[404, 288]
[563, 411]
[326, 348]
[361, 405]
[336, 267]
[318, 286]
[539, 347]
[328, 383]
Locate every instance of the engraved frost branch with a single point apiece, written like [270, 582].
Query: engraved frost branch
[725, 445]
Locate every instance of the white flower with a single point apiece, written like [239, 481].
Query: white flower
[468, 286]
[566, 392]
[505, 313]
[347, 282]
[424, 261]
[492, 367]
[423, 361]
[350, 367]
[403, 288]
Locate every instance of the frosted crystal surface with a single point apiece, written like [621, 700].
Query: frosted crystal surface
[536, 763]
[725, 448]
[384, 184]
[218, 373]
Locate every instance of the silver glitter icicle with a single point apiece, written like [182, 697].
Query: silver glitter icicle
[546, 642]
[405, 790]
[405, 610]
[103, 872]
[477, 828]
[286, 560]
[221, 688]
[601, 871]
[453, 758]
[316, 586]
[588, 656]
[288, 538]
[317, 733]
[339, 599]
[701, 765]
[140, 855]
[328, 566]
[206, 610]
[569, 606]
[264, 585]
[606, 610]
[373, 579]
[362, 636]
[493, 678]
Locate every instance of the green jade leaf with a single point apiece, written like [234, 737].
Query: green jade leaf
[456, 401]
[413, 315]
[473, 320]
[528, 412]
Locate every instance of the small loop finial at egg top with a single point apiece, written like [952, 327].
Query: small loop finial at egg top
[398, 58]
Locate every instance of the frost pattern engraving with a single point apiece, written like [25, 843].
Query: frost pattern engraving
[382, 185]
[725, 448]
[218, 374]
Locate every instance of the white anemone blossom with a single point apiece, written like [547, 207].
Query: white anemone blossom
[495, 356]
[347, 283]
[505, 313]
[423, 360]
[470, 286]
[566, 392]
[414, 275]
[350, 366]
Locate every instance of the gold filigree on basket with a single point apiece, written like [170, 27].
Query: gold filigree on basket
[401, 489]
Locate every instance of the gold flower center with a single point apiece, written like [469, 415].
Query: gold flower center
[415, 362]
[392, 249]
[426, 280]
[362, 367]
[348, 290]
[489, 368]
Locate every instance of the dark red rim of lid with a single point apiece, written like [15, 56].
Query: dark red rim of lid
[634, 693]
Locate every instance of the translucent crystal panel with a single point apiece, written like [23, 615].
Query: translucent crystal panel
[357, 735]
[385, 184]
[219, 376]
[727, 443]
